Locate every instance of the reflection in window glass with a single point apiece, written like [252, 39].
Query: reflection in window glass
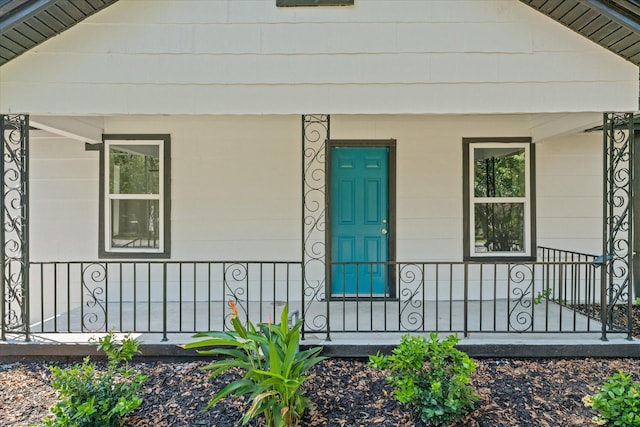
[498, 187]
[499, 227]
[136, 196]
[135, 223]
[134, 169]
[499, 172]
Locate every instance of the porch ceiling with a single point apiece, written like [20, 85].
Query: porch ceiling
[613, 24]
[25, 24]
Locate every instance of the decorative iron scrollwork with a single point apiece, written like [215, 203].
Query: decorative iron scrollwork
[236, 277]
[93, 310]
[411, 284]
[14, 130]
[521, 304]
[315, 133]
[618, 175]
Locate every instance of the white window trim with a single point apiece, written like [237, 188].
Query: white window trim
[477, 200]
[108, 197]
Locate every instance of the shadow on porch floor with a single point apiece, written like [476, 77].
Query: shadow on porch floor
[353, 316]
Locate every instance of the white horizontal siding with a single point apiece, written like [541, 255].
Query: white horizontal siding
[569, 192]
[236, 184]
[249, 57]
[279, 69]
[281, 99]
[63, 180]
[263, 11]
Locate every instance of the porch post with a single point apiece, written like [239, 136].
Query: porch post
[14, 233]
[315, 305]
[636, 215]
[617, 241]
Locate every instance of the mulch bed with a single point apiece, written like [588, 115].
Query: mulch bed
[345, 392]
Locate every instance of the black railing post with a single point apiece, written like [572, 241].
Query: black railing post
[466, 299]
[164, 302]
[25, 229]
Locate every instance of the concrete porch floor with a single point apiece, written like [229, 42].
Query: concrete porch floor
[361, 316]
[355, 329]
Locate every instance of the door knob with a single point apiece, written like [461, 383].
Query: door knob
[384, 231]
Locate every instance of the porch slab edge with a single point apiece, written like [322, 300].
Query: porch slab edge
[501, 351]
[69, 351]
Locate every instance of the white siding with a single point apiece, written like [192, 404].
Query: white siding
[249, 57]
[236, 184]
[63, 196]
[569, 188]
[235, 189]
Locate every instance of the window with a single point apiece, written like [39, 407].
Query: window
[499, 198]
[134, 195]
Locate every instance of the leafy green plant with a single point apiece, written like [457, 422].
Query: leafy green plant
[431, 376]
[542, 295]
[95, 398]
[618, 401]
[273, 367]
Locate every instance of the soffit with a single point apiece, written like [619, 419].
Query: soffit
[613, 24]
[25, 24]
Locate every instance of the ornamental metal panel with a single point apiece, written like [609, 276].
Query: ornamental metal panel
[315, 134]
[14, 233]
[617, 251]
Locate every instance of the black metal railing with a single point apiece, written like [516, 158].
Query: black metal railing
[158, 296]
[464, 297]
[558, 293]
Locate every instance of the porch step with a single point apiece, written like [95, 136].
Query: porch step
[361, 345]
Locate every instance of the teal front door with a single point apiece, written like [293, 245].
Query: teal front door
[359, 220]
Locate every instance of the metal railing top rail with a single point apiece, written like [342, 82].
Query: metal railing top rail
[167, 296]
[556, 250]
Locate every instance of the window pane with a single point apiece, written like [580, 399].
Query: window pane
[134, 224]
[134, 169]
[499, 227]
[499, 172]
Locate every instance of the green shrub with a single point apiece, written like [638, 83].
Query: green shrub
[618, 401]
[431, 376]
[93, 398]
[273, 367]
[542, 295]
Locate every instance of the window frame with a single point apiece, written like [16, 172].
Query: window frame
[469, 201]
[104, 233]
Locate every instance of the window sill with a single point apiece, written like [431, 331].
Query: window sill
[296, 3]
[134, 255]
[500, 259]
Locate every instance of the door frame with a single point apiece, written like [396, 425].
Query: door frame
[391, 193]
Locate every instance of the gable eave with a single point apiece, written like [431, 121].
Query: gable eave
[613, 24]
[25, 24]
